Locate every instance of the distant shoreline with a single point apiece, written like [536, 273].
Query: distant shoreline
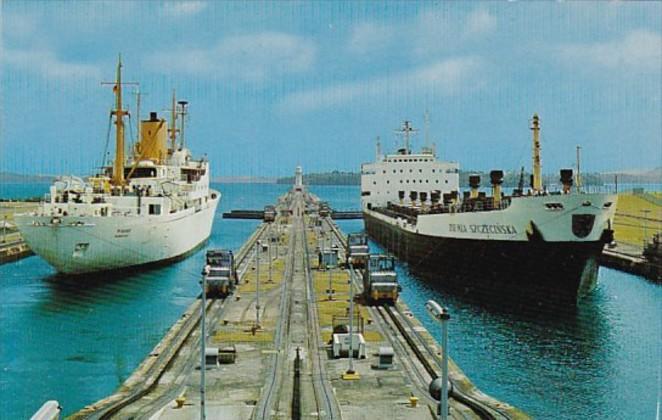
[511, 178]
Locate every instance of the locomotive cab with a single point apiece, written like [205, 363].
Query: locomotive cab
[357, 249]
[222, 276]
[380, 281]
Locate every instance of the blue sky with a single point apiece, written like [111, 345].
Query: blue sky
[276, 84]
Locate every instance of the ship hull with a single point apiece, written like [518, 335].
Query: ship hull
[79, 245]
[529, 271]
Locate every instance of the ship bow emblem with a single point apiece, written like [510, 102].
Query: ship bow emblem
[582, 224]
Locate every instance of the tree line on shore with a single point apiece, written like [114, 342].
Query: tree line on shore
[510, 179]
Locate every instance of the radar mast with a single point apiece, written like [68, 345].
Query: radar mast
[406, 131]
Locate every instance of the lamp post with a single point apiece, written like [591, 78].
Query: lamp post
[277, 238]
[203, 341]
[270, 244]
[330, 290]
[441, 314]
[351, 374]
[257, 284]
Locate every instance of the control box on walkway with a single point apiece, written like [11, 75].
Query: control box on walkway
[328, 258]
[341, 345]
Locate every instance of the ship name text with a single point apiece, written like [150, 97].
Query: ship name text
[497, 229]
[122, 233]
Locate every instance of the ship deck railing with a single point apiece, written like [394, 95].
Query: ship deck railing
[468, 206]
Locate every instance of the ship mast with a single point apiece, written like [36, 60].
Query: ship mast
[537, 178]
[578, 181]
[118, 166]
[119, 113]
[427, 131]
[378, 149]
[138, 115]
[182, 112]
[133, 147]
[173, 123]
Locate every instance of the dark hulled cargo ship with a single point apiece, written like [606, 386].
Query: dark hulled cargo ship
[531, 244]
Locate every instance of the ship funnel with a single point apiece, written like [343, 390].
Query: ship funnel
[566, 180]
[152, 145]
[496, 178]
[474, 183]
[413, 195]
[435, 196]
[424, 197]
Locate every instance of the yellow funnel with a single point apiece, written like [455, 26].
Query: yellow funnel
[153, 144]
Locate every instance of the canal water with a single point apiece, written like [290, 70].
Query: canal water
[78, 340]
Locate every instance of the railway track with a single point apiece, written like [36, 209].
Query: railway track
[420, 347]
[265, 404]
[323, 394]
[393, 316]
[324, 397]
[420, 377]
[160, 362]
[178, 368]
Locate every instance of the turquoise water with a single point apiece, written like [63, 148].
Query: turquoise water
[77, 341]
[17, 191]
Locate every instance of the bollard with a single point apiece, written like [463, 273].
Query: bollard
[181, 399]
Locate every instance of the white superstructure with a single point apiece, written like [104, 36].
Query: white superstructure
[154, 206]
[384, 180]
[392, 177]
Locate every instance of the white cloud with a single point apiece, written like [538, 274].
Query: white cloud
[183, 8]
[17, 25]
[480, 22]
[445, 77]
[250, 58]
[47, 64]
[368, 37]
[639, 51]
[432, 31]
[436, 30]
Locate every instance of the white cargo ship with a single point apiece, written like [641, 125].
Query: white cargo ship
[154, 206]
[531, 243]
